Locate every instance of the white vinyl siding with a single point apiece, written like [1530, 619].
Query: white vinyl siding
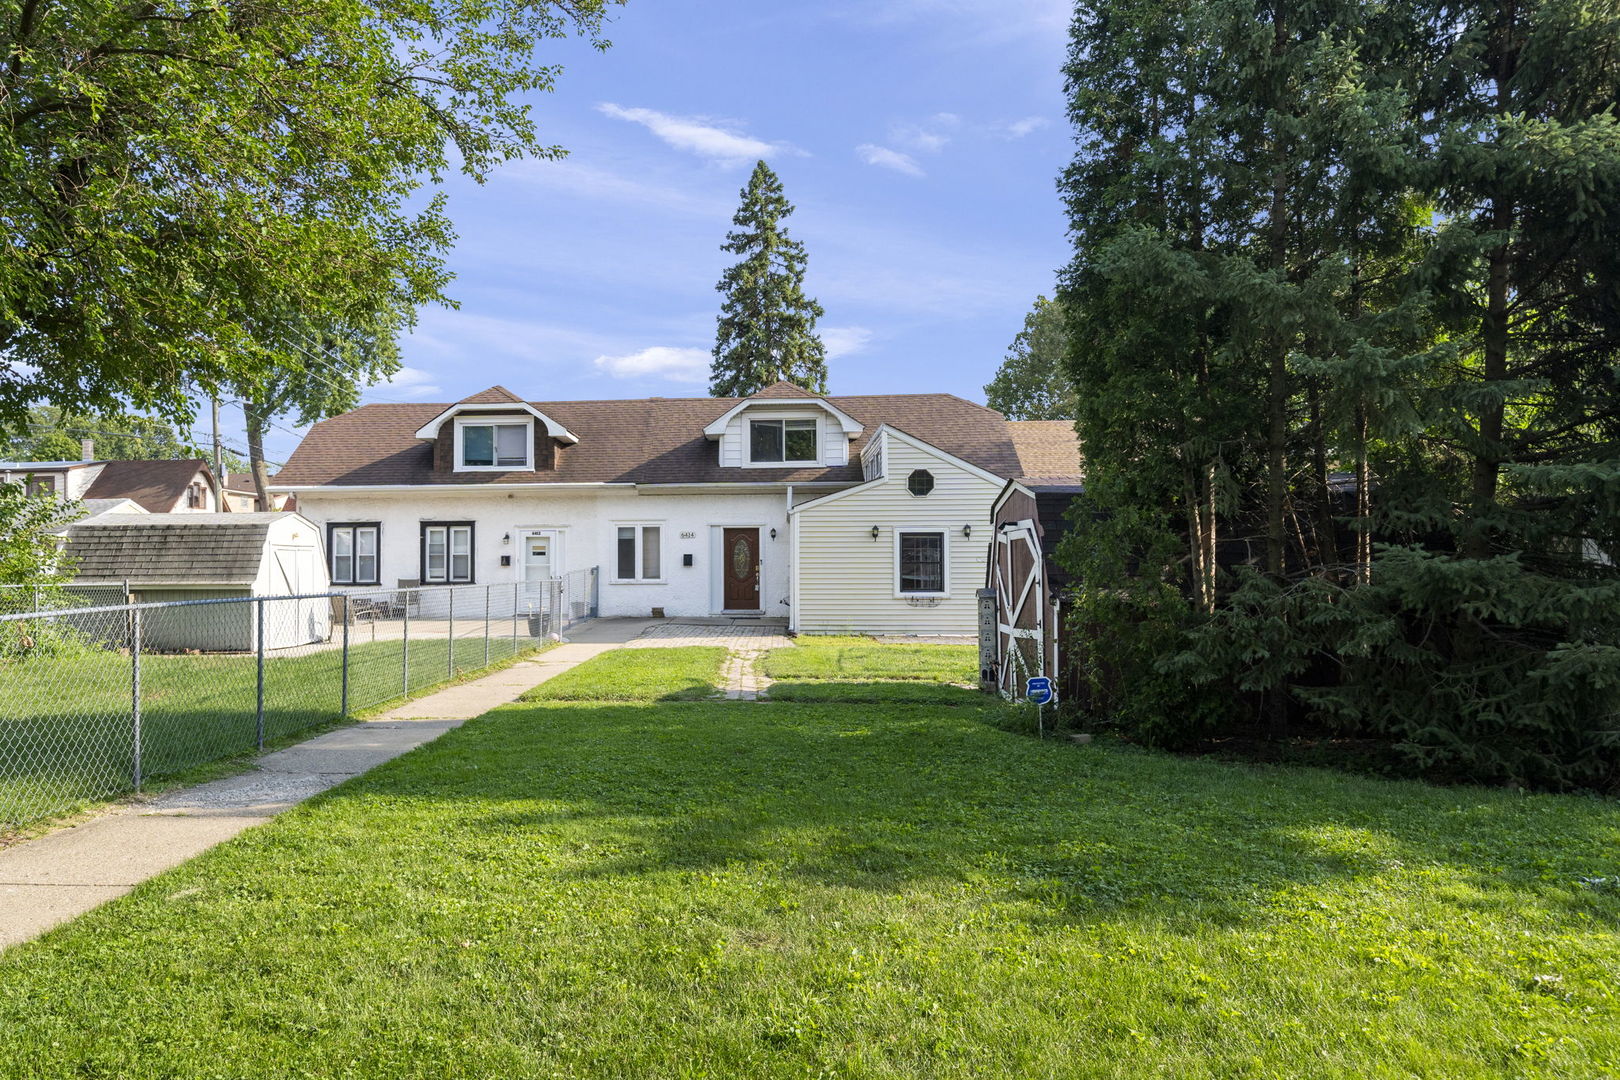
[848, 583]
[735, 443]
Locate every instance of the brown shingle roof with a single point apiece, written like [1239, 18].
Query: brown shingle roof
[1048, 450]
[155, 485]
[493, 394]
[782, 388]
[644, 441]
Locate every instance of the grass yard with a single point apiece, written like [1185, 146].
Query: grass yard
[66, 732]
[661, 889]
[689, 673]
[845, 659]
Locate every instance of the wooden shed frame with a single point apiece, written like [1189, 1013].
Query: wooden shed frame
[1021, 585]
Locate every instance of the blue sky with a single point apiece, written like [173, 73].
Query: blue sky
[918, 139]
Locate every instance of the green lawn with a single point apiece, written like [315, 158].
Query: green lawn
[733, 889]
[66, 730]
[689, 673]
[845, 659]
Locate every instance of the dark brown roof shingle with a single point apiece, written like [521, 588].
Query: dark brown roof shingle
[643, 441]
[156, 485]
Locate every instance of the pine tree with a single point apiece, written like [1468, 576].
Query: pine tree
[767, 325]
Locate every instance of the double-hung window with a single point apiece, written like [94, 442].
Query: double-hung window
[352, 548]
[787, 442]
[920, 560]
[447, 553]
[638, 553]
[493, 445]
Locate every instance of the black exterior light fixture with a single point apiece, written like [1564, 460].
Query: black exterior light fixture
[874, 533]
[967, 531]
[773, 533]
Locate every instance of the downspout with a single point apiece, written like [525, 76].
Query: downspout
[792, 539]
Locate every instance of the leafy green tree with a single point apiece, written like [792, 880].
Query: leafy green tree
[30, 552]
[1032, 383]
[49, 434]
[179, 175]
[767, 325]
[329, 366]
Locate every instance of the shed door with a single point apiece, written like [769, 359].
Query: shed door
[1020, 607]
[741, 569]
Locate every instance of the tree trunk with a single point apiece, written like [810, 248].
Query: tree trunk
[1277, 388]
[1363, 501]
[255, 416]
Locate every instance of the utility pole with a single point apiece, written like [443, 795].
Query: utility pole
[219, 477]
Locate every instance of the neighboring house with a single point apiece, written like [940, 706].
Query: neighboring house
[242, 496]
[838, 513]
[209, 557]
[157, 486]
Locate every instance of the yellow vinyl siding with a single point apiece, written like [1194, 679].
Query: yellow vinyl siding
[846, 580]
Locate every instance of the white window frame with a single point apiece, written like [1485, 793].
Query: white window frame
[748, 442]
[354, 529]
[945, 561]
[465, 422]
[448, 528]
[641, 528]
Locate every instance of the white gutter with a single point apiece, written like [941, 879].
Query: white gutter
[364, 489]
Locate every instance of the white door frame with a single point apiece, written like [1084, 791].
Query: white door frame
[717, 566]
[555, 535]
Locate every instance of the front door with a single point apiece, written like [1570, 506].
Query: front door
[536, 558]
[741, 549]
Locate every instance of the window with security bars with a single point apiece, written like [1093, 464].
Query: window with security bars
[352, 549]
[921, 563]
[639, 554]
[447, 553]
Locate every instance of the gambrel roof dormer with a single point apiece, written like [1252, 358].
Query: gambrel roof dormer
[784, 426]
[497, 399]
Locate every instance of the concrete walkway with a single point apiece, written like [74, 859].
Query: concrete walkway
[63, 874]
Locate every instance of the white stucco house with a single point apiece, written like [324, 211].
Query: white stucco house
[839, 514]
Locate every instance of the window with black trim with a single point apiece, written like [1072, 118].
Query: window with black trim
[638, 553]
[920, 482]
[351, 549]
[787, 441]
[921, 559]
[447, 553]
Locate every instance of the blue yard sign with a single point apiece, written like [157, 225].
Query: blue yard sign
[1039, 690]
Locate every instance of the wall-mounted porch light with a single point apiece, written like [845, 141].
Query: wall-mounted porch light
[773, 534]
[967, 530]
[506, 538]
[874, 532]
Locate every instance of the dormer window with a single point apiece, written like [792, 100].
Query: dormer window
[785, 442]
[494, 444]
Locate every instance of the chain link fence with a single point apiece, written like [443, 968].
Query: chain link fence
[17, 599]
[94, 700]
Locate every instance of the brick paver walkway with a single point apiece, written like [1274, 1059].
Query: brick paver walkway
[744, 643]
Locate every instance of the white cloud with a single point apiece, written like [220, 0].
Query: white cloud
[408, 383]
[843, 340]
[930, 136]
[569, 177]
[885, 158]
[715, 140]
[1029, 124]
[659, 361]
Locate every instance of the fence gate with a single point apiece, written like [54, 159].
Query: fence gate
[1020, 607]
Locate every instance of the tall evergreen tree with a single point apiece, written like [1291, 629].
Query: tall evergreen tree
[1032, 383]
[767, 325]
